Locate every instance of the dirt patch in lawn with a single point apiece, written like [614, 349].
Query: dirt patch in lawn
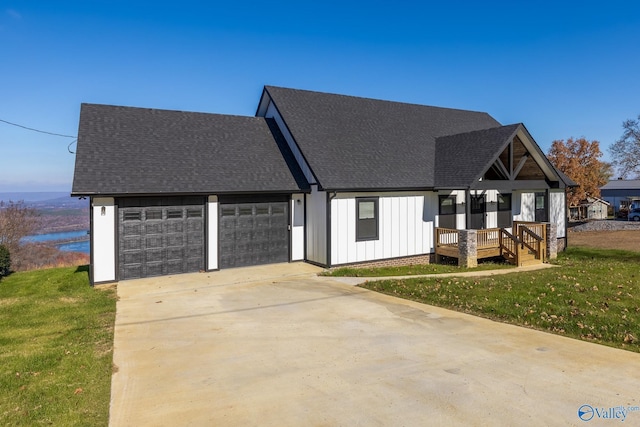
[616, 239]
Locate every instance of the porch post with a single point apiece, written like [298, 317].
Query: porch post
[468, 248]
[552, 240]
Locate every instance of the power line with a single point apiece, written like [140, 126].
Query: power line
[37, 130]
[70, 144]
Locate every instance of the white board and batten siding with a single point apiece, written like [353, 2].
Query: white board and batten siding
[103, 236]
[297, 227]
[405, 224]
[212, 233]
[524, 208]
[557, 211]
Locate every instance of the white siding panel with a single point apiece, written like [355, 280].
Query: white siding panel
[395, 226]
[385, 229]
[526, 205]
[404, 227]
[212, 233]
[491, 205]
[403, 219]
[104, 239]
[410, 247]
[557, 211]
[317, 226]
[297, 227]
[350, 235]
[272, 112]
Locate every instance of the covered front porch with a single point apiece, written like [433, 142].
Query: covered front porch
[526, 243]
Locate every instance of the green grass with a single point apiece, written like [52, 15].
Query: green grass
[413, 270]
[594, 296]
[56, 341]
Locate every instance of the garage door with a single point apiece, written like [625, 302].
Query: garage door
[253, 233]
[160, 236]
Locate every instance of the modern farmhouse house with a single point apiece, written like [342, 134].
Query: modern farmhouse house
[317, 177]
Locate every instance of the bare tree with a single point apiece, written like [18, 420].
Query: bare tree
[17, 220]
[626, 151]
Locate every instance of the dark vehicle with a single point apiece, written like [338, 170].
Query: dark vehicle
[634, 215]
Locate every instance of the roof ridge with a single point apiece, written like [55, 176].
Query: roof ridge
[375, 99]
[167, 110]
[515, 125]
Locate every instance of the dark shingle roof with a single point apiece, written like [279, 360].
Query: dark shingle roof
[568, 182]
[462, 158]
[124, 150]
[622, 184]
[360, 143]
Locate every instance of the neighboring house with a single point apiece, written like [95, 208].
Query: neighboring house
[621, 193]
[323, 178]
[590, 208]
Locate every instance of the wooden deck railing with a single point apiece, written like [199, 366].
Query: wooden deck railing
[509, 244]
[489, 238]
[536, 227]
[446, 237]
[526, 243]
[532, 242]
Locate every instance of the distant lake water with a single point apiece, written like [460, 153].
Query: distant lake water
[50, 237]
[81, 246]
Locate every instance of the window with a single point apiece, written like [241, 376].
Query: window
[447, 212]
[153, 215]
[132, 216]
[194, 213]
[228, 211]
[504, 211]
[174, 214]
[277, 209]
[367, 218]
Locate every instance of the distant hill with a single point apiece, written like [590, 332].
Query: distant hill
[57, 211]
[46, 199]
[29, 196]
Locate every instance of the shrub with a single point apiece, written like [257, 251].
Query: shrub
[5, 261]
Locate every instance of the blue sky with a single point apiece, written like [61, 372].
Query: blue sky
[563, 68]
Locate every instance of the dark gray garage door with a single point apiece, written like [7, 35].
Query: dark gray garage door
[253, 233]
[160, 236]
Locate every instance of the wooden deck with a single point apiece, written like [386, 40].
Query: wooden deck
[527, 245]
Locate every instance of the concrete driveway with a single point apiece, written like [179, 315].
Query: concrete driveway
[278, 346]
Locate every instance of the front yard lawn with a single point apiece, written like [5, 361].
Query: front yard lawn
[594, 296]
[56, 336]
[414, 270]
